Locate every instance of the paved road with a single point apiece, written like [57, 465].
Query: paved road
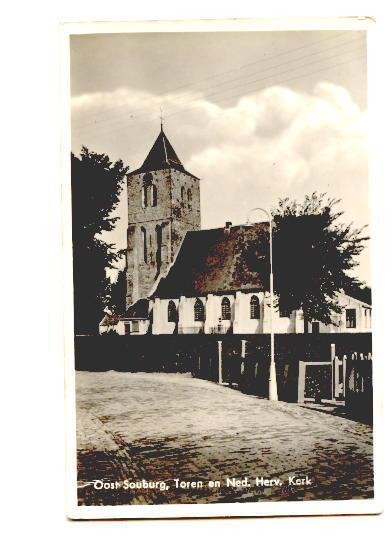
[162, 427]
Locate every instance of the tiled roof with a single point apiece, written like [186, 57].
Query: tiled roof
[160, 157]
[218, 261]
[138, 310]
[110, 320]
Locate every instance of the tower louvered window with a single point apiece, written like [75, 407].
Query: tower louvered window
[226, 309]
[199, 310]
[254, 307]
[189, 195]
[154, 196]
[144, 196]
[147, 181]
[158, 237]
[144, 240]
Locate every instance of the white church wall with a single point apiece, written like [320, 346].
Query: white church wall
[243, 324]
[186, 311]
[214, 323]
[161, 323]
[281, 324]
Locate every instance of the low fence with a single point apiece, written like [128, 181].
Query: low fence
[359, 386]
[244, 359]
[134, 353]
[318, 367]
[348, 380]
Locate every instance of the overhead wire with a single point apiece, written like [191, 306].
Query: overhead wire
[290, 61]
[241, 93]
[223, 73]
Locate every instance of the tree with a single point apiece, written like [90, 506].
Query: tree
[117, 293]
[313, 255]
[96, 186]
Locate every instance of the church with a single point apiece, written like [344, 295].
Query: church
[182, 279]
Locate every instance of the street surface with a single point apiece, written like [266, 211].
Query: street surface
[163, 427]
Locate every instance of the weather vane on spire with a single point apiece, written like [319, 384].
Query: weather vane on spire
[161, 117]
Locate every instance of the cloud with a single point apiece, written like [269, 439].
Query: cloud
[274, 143]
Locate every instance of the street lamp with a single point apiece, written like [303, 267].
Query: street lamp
[272, 384]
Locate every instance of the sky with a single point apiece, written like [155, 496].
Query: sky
[258, 116]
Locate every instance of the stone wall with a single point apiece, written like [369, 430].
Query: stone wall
[156, 230]
[185, 212]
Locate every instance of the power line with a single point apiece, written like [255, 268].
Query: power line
[243, 66]
[289, 80]
[139, 119]
[270, 76]
[250, 91]
[269, 68]
[239, 68]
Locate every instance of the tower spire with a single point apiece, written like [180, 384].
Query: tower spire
[161, 118]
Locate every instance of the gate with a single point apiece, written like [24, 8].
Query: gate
[315, 381]
[348, 380]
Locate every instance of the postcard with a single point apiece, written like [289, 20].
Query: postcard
[217, 285]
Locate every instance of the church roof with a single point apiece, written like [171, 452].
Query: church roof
[138, 310]
[217, 261]
[110, 320]
[160, 157]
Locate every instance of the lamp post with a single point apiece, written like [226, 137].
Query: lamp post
[272, 384]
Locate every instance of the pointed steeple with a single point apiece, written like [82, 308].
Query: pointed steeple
[161, 156]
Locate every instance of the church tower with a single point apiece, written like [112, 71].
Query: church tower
[163, 204]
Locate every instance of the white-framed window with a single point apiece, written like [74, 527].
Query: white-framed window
[226, 309]
[199, 314]
[351, 318]
[172, 312]
[254, 307]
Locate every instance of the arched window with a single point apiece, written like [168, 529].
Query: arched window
[171, 312]
[147, 180]
[144, 240]
[189, 195]
[144, 196]
[182, 193]
[154, 196]
[199, 310]
[254, 307]
[226, 309]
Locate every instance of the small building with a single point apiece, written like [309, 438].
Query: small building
[136, 320]
[109, 324]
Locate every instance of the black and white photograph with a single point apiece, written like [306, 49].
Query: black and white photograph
[221, 346]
